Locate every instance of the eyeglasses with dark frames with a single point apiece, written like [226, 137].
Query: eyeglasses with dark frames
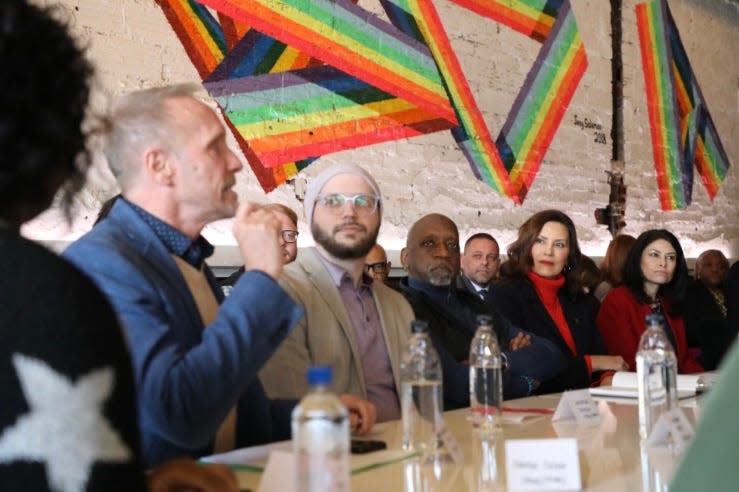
[379, 267]
[363, 203]
[289, 236]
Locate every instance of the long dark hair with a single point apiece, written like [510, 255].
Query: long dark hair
[674, 291]
[520, 261]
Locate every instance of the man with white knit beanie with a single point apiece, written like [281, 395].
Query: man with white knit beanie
[357, 326]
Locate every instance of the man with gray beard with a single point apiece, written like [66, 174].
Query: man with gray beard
[357, 326]
[431, 258]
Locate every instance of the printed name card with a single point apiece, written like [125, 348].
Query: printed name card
[578, 405]
[542, 464]
[672, 424]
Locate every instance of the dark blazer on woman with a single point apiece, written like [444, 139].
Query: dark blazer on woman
[516, 299]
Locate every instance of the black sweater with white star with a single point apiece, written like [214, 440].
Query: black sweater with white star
[67, 397]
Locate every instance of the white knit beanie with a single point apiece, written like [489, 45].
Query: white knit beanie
[317, 184]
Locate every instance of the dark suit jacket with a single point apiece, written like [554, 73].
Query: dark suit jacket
[538, 361]
[517, 300]
[188, 376]
[705, 325]
[465, 283]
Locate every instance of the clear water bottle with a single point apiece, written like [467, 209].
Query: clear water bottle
[486, 376]
[320, 427]
[656, 370]
[421, 392]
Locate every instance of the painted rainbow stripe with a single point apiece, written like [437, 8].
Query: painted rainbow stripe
[533, 18]
[380, 82]
[198, 31]
[314, 111]
[206, 45]
[271, 145]
[345, 37]
[510, 164]
[683, 133]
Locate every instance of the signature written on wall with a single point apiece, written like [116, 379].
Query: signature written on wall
[588, 124]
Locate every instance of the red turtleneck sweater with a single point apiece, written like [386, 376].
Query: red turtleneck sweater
[547, 290]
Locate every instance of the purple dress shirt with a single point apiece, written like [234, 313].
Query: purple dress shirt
[360, 304]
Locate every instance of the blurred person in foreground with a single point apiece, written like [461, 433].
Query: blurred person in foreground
[710, 460]
[67, 419]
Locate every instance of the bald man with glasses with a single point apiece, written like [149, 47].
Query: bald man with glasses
[376, 263]
[353, 323]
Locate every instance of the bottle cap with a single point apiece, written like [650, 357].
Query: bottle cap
[419, 326]
[484, 320]
[654, 319]
[319, 375]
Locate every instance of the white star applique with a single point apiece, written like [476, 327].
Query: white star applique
[65, 427]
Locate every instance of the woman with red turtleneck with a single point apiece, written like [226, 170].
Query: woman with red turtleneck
[541, 294]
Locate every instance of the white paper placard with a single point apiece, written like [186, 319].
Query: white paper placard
[279, 474]
[578, 405]
[674, 424]
[542, 464]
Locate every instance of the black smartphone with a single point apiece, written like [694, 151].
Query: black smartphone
[362, 447]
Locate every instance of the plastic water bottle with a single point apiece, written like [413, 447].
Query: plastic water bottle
[656, 370]
[320, 427]
[486, 376]
[421, 392]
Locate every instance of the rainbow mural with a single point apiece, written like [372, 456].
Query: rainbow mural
[510, 163]
[297, 79]
[683, 133]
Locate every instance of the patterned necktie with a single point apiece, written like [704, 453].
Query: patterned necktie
[482, 293]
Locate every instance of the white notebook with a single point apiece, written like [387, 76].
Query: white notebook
[624, 385]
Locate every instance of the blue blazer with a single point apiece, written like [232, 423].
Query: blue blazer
[188, 376]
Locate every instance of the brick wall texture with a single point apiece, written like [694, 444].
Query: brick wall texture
[133, 47]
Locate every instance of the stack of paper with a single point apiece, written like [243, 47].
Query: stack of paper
[624, 385]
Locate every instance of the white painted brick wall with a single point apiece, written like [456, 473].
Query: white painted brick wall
[133, 46]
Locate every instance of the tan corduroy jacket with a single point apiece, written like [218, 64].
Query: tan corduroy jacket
[325, 334]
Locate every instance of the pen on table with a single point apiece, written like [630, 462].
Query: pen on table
[545, 411]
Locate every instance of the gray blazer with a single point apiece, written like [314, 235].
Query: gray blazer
[325, 335]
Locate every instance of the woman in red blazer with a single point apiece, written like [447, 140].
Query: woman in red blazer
[654, 280]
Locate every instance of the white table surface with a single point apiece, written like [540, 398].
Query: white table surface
[611, 458]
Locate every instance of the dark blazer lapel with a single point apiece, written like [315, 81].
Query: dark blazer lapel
[546, 323]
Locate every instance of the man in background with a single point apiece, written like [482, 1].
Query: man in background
[376, 263]
[288, 220]
[480, 263]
